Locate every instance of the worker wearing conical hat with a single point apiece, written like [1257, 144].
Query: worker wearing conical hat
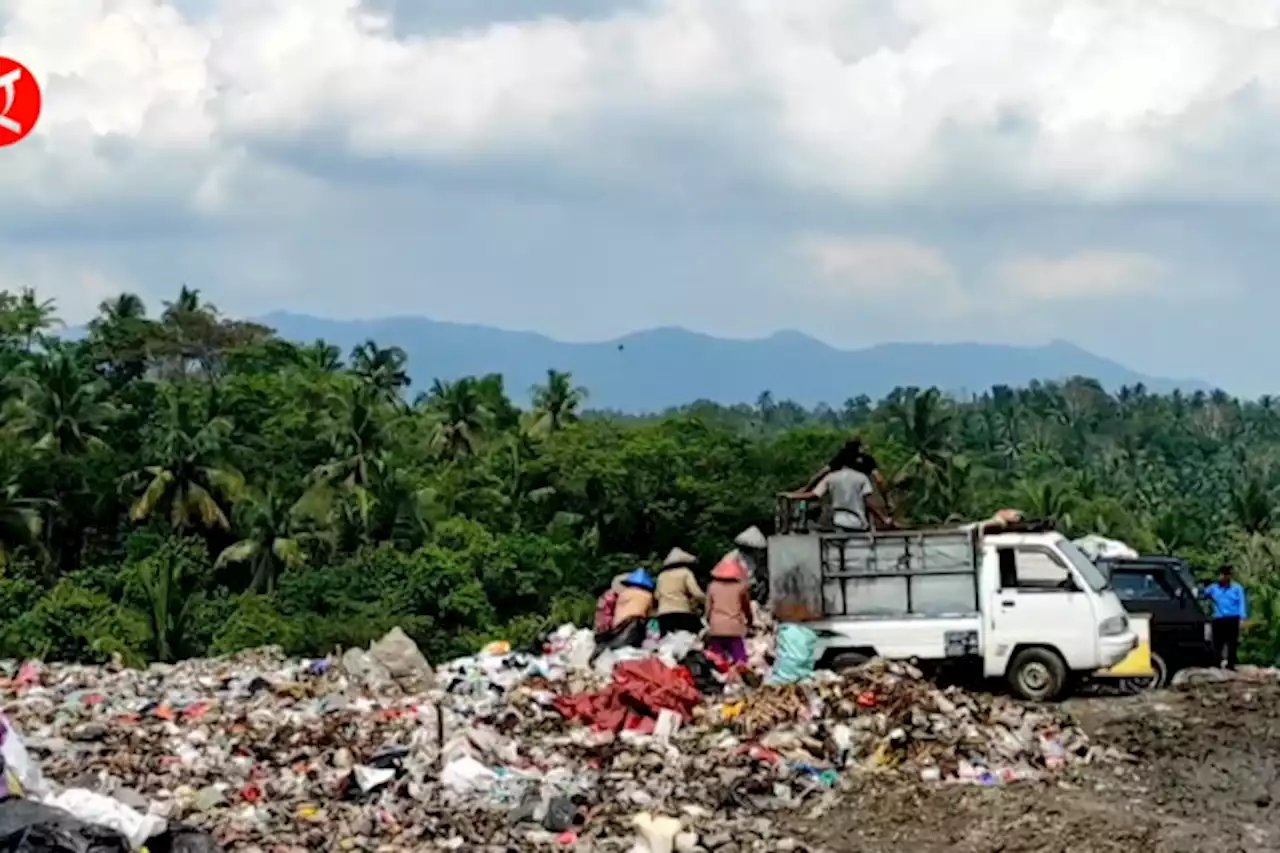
[679, 596]
[728, 611]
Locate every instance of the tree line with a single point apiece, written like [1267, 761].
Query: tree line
[189, 484]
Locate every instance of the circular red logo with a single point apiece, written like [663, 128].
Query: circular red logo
[19, 101]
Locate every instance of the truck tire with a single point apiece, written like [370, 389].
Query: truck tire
[847, 660]
[1038, 675]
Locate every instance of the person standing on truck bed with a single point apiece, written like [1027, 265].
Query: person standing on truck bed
[863, 461]
[1230, 609]
[850, 490]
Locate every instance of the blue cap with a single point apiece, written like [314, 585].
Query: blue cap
[639, 578]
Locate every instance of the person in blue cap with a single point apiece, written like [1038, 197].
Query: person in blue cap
[630, 614]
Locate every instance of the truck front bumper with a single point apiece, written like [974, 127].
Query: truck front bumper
[1116, 648]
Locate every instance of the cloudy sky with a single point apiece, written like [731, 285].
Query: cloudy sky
[1103, 171]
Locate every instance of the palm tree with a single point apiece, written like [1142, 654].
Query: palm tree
[924, 425]
[29, 318]
[1047, 500]
[1252, 505]
[556, 403]
[321, 357]
[20, 521]
[461, 419]
[57, 407]
[357, 438]
[189, 327]
[189, 477]
[120, 338]
[275, 533]
[382, 368]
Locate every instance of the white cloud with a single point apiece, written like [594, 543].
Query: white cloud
[76, 290]
[1087, 275]
[1096, 99]
[885, 271]
[649, 164]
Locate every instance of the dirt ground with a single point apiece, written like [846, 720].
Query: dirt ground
[1207, 778]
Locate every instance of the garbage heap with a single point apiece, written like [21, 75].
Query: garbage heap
[376, 750]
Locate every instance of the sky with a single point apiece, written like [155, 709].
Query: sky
[1101, 171]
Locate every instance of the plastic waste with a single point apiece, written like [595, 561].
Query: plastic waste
[27, 826]
[399, 655]
[101, 810]
[676, 646]
[1097, 547]
[797, 645]
[369, 779]
[20, 771]
[667, 725]
[466, 775]
[654, 834]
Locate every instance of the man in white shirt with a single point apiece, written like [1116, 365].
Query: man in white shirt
[849, 489]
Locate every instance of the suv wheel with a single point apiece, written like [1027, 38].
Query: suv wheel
[1038, 675]
[1158, 679]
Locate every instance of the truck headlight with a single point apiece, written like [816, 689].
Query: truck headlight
[1113, 626]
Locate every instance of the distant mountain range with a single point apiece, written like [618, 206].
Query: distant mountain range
[652, 370]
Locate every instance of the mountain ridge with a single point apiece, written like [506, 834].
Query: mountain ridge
[653, 369]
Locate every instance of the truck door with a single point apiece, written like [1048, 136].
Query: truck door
[1037, 602]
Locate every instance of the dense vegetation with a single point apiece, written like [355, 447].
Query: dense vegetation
[192, 484]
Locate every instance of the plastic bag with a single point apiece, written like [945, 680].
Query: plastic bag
[676, 646]
[466, 775]
[797, 645]
[400, 655]
[27, 826]
[581, 648]
[101, 810]
[20, 770]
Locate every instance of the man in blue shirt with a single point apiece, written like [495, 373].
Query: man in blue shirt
[1230, 608]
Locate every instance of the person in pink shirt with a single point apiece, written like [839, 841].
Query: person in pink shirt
[728, 611]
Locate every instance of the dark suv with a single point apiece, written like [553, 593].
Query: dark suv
[1164, 588]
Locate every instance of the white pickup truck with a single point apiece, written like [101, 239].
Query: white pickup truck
[1029, 605]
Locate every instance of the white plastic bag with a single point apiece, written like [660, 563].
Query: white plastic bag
[18, 762]
[400, 655]
[465, 775]
[102, 810]
[580, 649]
[673, 647]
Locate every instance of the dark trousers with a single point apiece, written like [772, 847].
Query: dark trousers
[669, 623]
[1226, 639]
[630, 633]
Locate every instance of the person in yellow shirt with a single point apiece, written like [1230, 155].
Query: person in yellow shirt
[630, 613]
[679, 597]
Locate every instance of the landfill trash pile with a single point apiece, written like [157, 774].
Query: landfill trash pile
[653, 750]
[1244, 673]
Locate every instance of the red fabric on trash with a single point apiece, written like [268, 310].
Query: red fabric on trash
[640, 689]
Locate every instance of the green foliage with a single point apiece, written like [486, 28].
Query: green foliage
[189, 484]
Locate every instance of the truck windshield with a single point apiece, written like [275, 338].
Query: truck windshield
[1092, 575]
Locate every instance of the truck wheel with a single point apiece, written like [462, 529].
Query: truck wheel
[847, 660]
[1038, 675]
[1159, 678]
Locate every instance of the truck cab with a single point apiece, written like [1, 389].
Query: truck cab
[1165, 590]
[1023, 603]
